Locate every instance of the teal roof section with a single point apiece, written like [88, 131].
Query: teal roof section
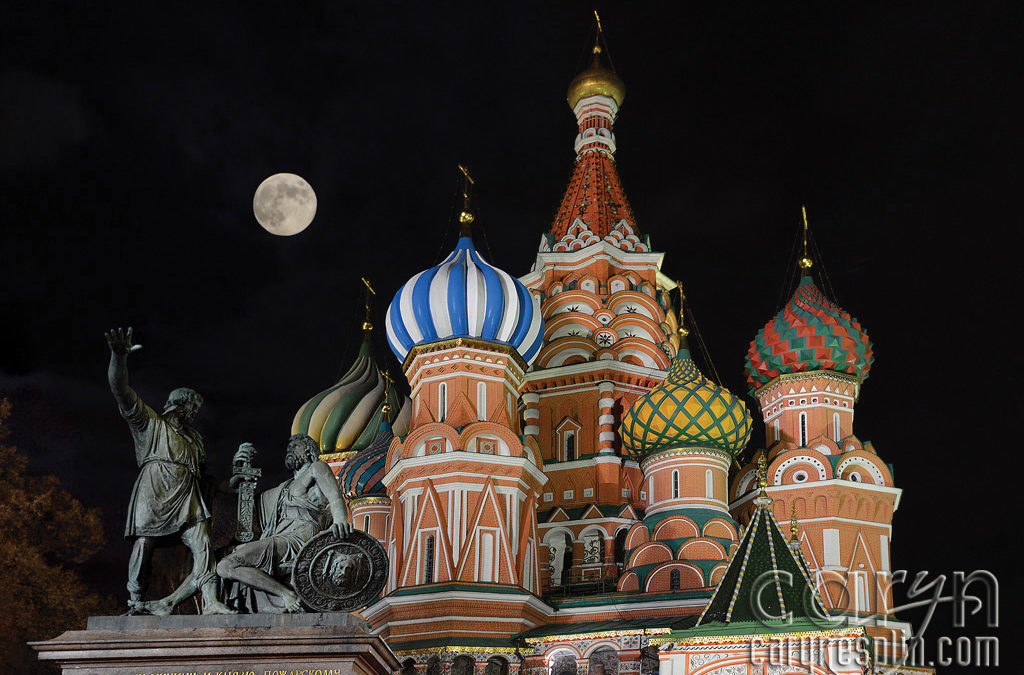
[764, 580]
[537, 634]
[621, 600]
[684, 628]
[697, 515]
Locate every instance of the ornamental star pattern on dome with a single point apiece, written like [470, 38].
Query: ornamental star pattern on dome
[810, 333]
[687, 409]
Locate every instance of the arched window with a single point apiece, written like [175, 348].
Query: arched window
[675, 485]
[487, 566]
[803, 429]
[366, 523]
[570, 446]
[442, 401]
[481, 401]
[709, 484]
[835, 427]
[778, 432]
[674, 582]
[428, 560]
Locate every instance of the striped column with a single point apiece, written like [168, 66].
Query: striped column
[531, 415]
[606, 420]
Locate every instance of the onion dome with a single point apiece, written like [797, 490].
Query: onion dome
[810, 333]
[346, 416]
[596, 80]
[464, 296]
[686, 410]
[362, 474]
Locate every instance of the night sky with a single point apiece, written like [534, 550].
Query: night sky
[134, 136]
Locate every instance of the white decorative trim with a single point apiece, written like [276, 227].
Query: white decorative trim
[807, 459]
[476, 458]
[865, 464]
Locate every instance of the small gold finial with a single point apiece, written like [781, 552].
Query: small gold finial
[793, 524]
[466, 215]
[762, 475]
[805, 262]
[367, 325]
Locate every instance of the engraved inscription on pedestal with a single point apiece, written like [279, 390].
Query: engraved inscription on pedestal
[340, 575]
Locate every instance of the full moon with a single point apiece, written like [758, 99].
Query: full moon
[284, 204]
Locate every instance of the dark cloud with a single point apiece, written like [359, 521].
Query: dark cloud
[41, 120]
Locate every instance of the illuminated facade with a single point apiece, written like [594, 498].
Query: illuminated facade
[561, 491]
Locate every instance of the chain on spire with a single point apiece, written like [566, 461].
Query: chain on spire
[805, 262]
[367, 325]
[466, 216]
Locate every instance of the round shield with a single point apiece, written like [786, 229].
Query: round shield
[340, 575]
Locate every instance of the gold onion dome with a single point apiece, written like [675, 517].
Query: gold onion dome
[686, 410]
[596, 80]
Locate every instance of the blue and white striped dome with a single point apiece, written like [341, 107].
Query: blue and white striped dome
[465, 296]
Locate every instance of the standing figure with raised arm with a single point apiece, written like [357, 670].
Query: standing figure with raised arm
[166, 500]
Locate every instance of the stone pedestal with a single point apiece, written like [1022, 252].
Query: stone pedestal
[256, 644]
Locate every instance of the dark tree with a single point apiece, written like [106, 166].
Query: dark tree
[45, 534]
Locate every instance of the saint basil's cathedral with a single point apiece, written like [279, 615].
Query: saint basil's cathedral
[561, 491]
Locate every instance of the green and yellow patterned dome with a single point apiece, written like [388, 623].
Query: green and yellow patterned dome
[687, 409]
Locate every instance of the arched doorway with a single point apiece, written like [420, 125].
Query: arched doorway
[604, 661]
[620, 548]
[560, 557]
[563, 663]
[462, 665]
[496, 665]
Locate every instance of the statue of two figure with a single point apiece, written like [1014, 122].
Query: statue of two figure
[167, 503]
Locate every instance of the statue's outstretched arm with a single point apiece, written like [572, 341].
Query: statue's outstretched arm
[328, 485]
[120, 342]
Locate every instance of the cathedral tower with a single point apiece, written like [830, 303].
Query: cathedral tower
[607, 340]
[462, 541]
[805, 369]
[684, 433]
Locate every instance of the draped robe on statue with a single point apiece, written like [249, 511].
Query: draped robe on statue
[287, 522]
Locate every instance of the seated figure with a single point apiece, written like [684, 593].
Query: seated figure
[290, 515]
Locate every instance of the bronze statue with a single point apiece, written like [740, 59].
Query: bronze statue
[166, 500]
[290, 517]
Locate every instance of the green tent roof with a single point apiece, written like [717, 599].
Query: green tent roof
[765, 579]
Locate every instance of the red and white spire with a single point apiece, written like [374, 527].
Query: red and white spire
[594, 207]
